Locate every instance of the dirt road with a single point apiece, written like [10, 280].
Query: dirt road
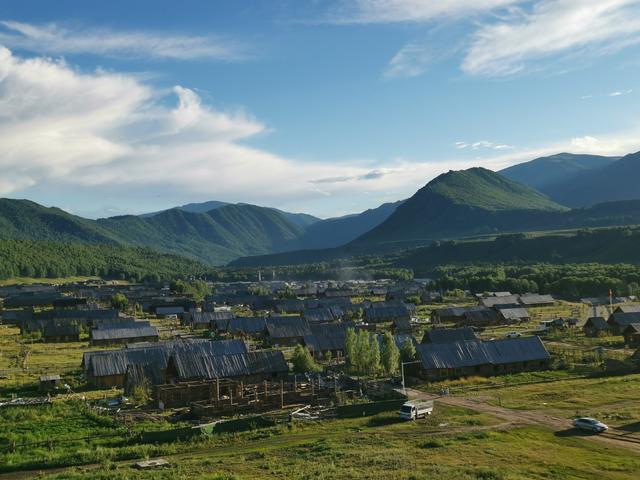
[561, 426]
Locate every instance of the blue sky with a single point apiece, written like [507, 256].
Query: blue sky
[326, 107]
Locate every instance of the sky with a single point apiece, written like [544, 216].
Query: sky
[327, 107]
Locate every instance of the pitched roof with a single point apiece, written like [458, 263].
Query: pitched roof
[598, 323]
[436, 356]
[514, 313]
[386, 312]
[247, 325]
[624, 319]
[327, 336]
[536, 299]
[481, 316]
[61, 329]
[450, 335]
[319, 315]
[632, 328]
[457, 311]
[115, 362]
[126, 332]
[501, 300]
[190, 367]
[287, 327]
[628, 308]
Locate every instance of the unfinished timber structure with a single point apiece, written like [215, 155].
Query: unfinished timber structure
[221, 397]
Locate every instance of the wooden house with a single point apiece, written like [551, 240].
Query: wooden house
[61, 332]
[123, 333]
[475, 357]
[596, 326]
[631, 335]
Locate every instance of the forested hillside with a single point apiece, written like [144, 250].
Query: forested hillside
[42, 259]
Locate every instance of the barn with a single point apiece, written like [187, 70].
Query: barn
[123, 333]
[475, 357]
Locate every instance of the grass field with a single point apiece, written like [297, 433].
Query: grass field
[381, 447]
[452, 443]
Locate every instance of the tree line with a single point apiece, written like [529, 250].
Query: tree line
[571, 281]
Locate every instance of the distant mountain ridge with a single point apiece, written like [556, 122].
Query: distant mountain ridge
[545, 172]
[300, 219]
[469, 203]
[619, 180]
[215, 236]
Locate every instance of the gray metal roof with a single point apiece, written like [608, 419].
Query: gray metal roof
[536, 299]
[327, 336]
[481, 316]
[287, 327]
[61, 329]
[514, 313]
[386, 312]
[436, 356]
[623, 319]
[115, 362]
[126, 332]
[247, 325]
[449, 335]
[191, 367]
[319, 315]
[501, 300]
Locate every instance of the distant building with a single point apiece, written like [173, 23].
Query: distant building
[596, 326]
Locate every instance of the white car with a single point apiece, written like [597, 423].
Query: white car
[513, 335]
[590, 425]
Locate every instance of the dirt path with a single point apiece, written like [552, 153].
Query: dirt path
[561, 426]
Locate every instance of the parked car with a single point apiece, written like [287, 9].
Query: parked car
[513, 335]
[590, 425]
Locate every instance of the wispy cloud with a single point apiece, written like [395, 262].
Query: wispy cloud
[394, 11]
[372, 175]
[619, 93]
[411, 60]
[55, 39]
[482, 144]
[552, 28]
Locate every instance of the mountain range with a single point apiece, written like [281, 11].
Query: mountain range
[536, 195]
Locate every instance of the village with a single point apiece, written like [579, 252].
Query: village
[170, 367]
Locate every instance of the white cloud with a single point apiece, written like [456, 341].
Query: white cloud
[570, 28]
[411, 61]
[111, 136]
[54, 39]
[482, 144]
[619, 93]
[66, 130]
[392, 11]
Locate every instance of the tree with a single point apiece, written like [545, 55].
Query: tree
[141, 394]
[303, 362]
[374, 354]
[350, 347]
[119, 301]
[408, 351]
[362, 352]
[390, 354]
